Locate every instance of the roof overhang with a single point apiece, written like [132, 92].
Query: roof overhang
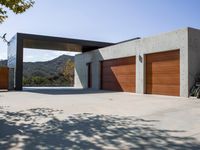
[59, 43]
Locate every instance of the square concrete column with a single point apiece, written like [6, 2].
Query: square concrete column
[140, 73]
[80, 72]
[184, 76]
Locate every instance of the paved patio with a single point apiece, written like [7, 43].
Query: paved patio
[86, 119]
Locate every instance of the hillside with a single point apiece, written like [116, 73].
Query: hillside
[48, 73]
[47, 68]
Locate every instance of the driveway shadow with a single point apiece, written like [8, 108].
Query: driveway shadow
[41, 129]
[63, 91]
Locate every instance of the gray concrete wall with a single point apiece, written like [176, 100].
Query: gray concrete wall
[194, 55]
[81, 73]
[139, 48]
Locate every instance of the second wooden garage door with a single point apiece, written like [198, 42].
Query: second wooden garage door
[118, 74]
[163, 73]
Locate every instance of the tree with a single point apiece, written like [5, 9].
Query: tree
[68, 71]
[16, 6]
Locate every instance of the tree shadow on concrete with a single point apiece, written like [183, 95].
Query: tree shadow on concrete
[41, 129]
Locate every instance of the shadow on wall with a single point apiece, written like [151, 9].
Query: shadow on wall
[81, 67]
[112, 71]
[41, 129]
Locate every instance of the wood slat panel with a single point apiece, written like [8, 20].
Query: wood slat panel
[4, 77]
[118, 74]
[163, 73]
[171, 90]
[168, 66]
[118, 62]
[121, 70]
[120, 78]
[170, 80]
[163, 56]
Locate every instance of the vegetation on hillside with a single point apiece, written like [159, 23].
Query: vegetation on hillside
[56, 72]
[68, 71]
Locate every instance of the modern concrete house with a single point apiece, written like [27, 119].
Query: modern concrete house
[165, 64]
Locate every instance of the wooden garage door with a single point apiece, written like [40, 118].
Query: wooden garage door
[163, 73]
[118, 74]
[4, 78]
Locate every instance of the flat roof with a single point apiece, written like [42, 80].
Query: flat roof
[59, 43]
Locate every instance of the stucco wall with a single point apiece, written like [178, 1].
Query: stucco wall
[163, 42]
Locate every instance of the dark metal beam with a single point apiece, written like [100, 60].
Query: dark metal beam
[59, 43]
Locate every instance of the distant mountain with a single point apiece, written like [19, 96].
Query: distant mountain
[47, 73]
[47, 68]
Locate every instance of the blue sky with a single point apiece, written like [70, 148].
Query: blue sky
[101, 20]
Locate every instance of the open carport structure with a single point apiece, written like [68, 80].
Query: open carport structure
[20, 41]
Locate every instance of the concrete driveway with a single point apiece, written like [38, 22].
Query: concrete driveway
[64, 118]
